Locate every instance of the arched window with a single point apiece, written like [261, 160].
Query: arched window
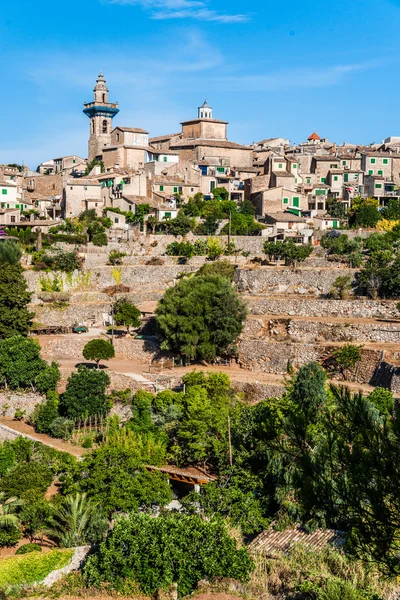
[105, 126]
[104, 97]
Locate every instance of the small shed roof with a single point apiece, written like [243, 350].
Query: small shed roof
[271, 541]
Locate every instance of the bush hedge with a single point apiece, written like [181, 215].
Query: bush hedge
[33, 567]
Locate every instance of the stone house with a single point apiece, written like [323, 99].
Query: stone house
[9, 216]
[81, 194]
[377, 163]
[167, 185]
[287, 225]
[277, 200]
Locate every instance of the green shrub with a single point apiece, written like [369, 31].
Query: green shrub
[100, 239]
[9, 536]
[61, 428]
[33, 568]
[46, 413]
[151, 551]
[27, 548]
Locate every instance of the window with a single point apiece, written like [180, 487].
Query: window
[373, 161]
[116, 220]
[180, 190]
[2, 205]
[344, 162]
[73, 161]
[105, 126]
[380, 172]
[280, 166]
[294, 166]
[161, 188]
[370, 172]
[17, 206]
[320, 206]
[296, 201]
[286, 201]
[117, 137]
[95, 203]
[378, 185]
[4, 192]
[221, 169]
[385, 161]
[323, 179]
[192, 189]
[212, 185]
[71, 188]
[104, 98]
[308, 180]
[85, 187]
[175, 190]
[12, 219]
[336, 178]
[167, 214]
[165, 158]
[333, 166]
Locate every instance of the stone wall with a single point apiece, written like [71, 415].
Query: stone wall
[311, 307]
[12, 401]
[64, 348]
[280, 280]
[315, 332]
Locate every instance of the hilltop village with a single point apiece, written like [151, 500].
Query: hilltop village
[200, 367]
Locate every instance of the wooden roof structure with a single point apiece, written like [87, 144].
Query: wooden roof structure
[270, 542]
[191, 475]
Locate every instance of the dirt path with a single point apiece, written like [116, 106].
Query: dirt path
[25, 429]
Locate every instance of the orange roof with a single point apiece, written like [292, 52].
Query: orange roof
[314, 136]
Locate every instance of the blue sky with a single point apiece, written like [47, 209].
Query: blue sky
[269, 68]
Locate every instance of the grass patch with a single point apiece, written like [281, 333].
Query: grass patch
[32, 568]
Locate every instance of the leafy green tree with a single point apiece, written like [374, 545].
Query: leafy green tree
[181, 225]
[220, 193]
[222, 268]
[10, 253]
[383, 400]
[185, 249]
[45, 413]
[150, 551]
[335, 208]
[34, 513]
[98, 350]
[21, 365]
[100, 239]
[115, 473]
[26, 476]
[126, 313]
[392, 210]
[15, 317]
[288, 251]
[346, 358]
[77, 521]
[208, 227]
[200, 317]
[366, 216]
[242, 224]
[10, 525]
[85, 394]
[341, 287]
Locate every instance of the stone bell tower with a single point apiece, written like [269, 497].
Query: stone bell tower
[101, 113]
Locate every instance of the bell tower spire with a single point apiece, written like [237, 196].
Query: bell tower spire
[101, 113]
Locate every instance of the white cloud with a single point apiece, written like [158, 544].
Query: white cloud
[182, 9]
[290, 79]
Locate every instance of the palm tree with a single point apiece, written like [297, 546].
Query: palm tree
[78, 521]
[8, 518]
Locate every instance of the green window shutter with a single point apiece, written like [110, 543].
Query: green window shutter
[294, 166]
[74, 161]
[346, 177]
[167, 214]
[380, 172]
[85, 187]
[323, 179]
[385, 161]
[212, 185]
[280, 166]
[286, 201]
[175, 190]
[161, 188]
[17, 206]
[378, 185]
[320, 192]
[165, 158]
[308, 179]
[221, 169]
[4, 192]
[103, 184]
[373, 161]
[335, 223]
[370, 172]
[344, 162]
[336, 178]
[296, 201]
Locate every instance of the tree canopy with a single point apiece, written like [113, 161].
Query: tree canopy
[98, 350]
[85, 394]
[201, 317]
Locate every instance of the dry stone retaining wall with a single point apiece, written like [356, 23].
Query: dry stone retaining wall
[274, 281]
[12, 401]
[312, 307]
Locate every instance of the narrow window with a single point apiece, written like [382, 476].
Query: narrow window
[105, 126]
